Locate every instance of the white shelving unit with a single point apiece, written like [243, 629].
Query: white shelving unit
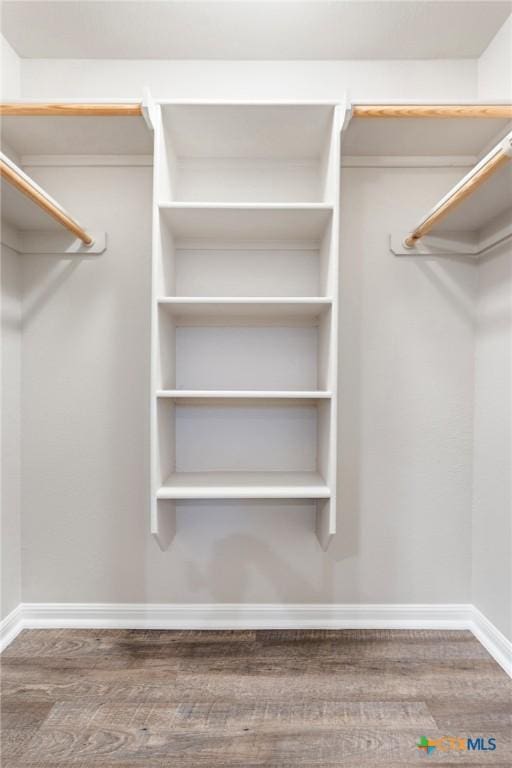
[245, 306]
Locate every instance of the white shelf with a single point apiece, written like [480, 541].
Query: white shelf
[419, 137]
[191, 396]
[257, 222]
[259, 308]
[244, 485]
[42, 135]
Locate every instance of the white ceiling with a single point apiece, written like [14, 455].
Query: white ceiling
[253, 29]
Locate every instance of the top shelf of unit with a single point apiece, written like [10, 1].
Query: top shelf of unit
[460, 137]
[250, 132]
[246, 153]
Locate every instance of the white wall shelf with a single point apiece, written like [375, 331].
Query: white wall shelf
[244, 485]
[469, 137]
[271, 310]
[198, 395]
[244, 317]
[46, 133]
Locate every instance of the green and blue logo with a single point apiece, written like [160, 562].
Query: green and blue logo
[456, 744]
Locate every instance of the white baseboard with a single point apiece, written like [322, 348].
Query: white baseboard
[457, 616]
[494, 641]
[246, 616]
[11, 626]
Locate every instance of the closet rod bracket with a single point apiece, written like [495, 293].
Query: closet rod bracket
[469, 244]
[53, 243]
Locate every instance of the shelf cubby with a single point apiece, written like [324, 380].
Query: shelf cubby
[244, 250]
[222, 447]
[289, 352]
[245, 152]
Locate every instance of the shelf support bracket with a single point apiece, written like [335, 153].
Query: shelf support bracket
[325, 523]
[148, 109]
[163, 522]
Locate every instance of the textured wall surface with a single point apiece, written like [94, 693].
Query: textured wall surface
[10, 271]
[443, 79]
[492, 502]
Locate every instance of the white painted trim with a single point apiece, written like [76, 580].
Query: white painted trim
[347, 161]
[494, 641]
[11, 626]
[408, 161]
[456, 616]
[56, 161]
[246, 616]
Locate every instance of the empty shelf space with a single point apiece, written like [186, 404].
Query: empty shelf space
[246, 152]
[244, 271]
[245, 251]
[256, 350]
[268, 309]
[244, 485]
[262, 222]
[248, 130]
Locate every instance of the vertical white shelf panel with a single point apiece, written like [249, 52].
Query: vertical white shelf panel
[245, 307]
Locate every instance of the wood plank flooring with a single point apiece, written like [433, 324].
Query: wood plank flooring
[280, 699]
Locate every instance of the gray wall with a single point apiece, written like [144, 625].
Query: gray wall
[10, 521]
[407, 348]
[492, 501]
[10, 355]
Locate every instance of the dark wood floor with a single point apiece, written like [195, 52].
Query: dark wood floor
[283, 698]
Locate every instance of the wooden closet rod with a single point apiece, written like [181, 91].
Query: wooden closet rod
[432, 110]
[497, 157]
[21, 182]
[70, 110]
